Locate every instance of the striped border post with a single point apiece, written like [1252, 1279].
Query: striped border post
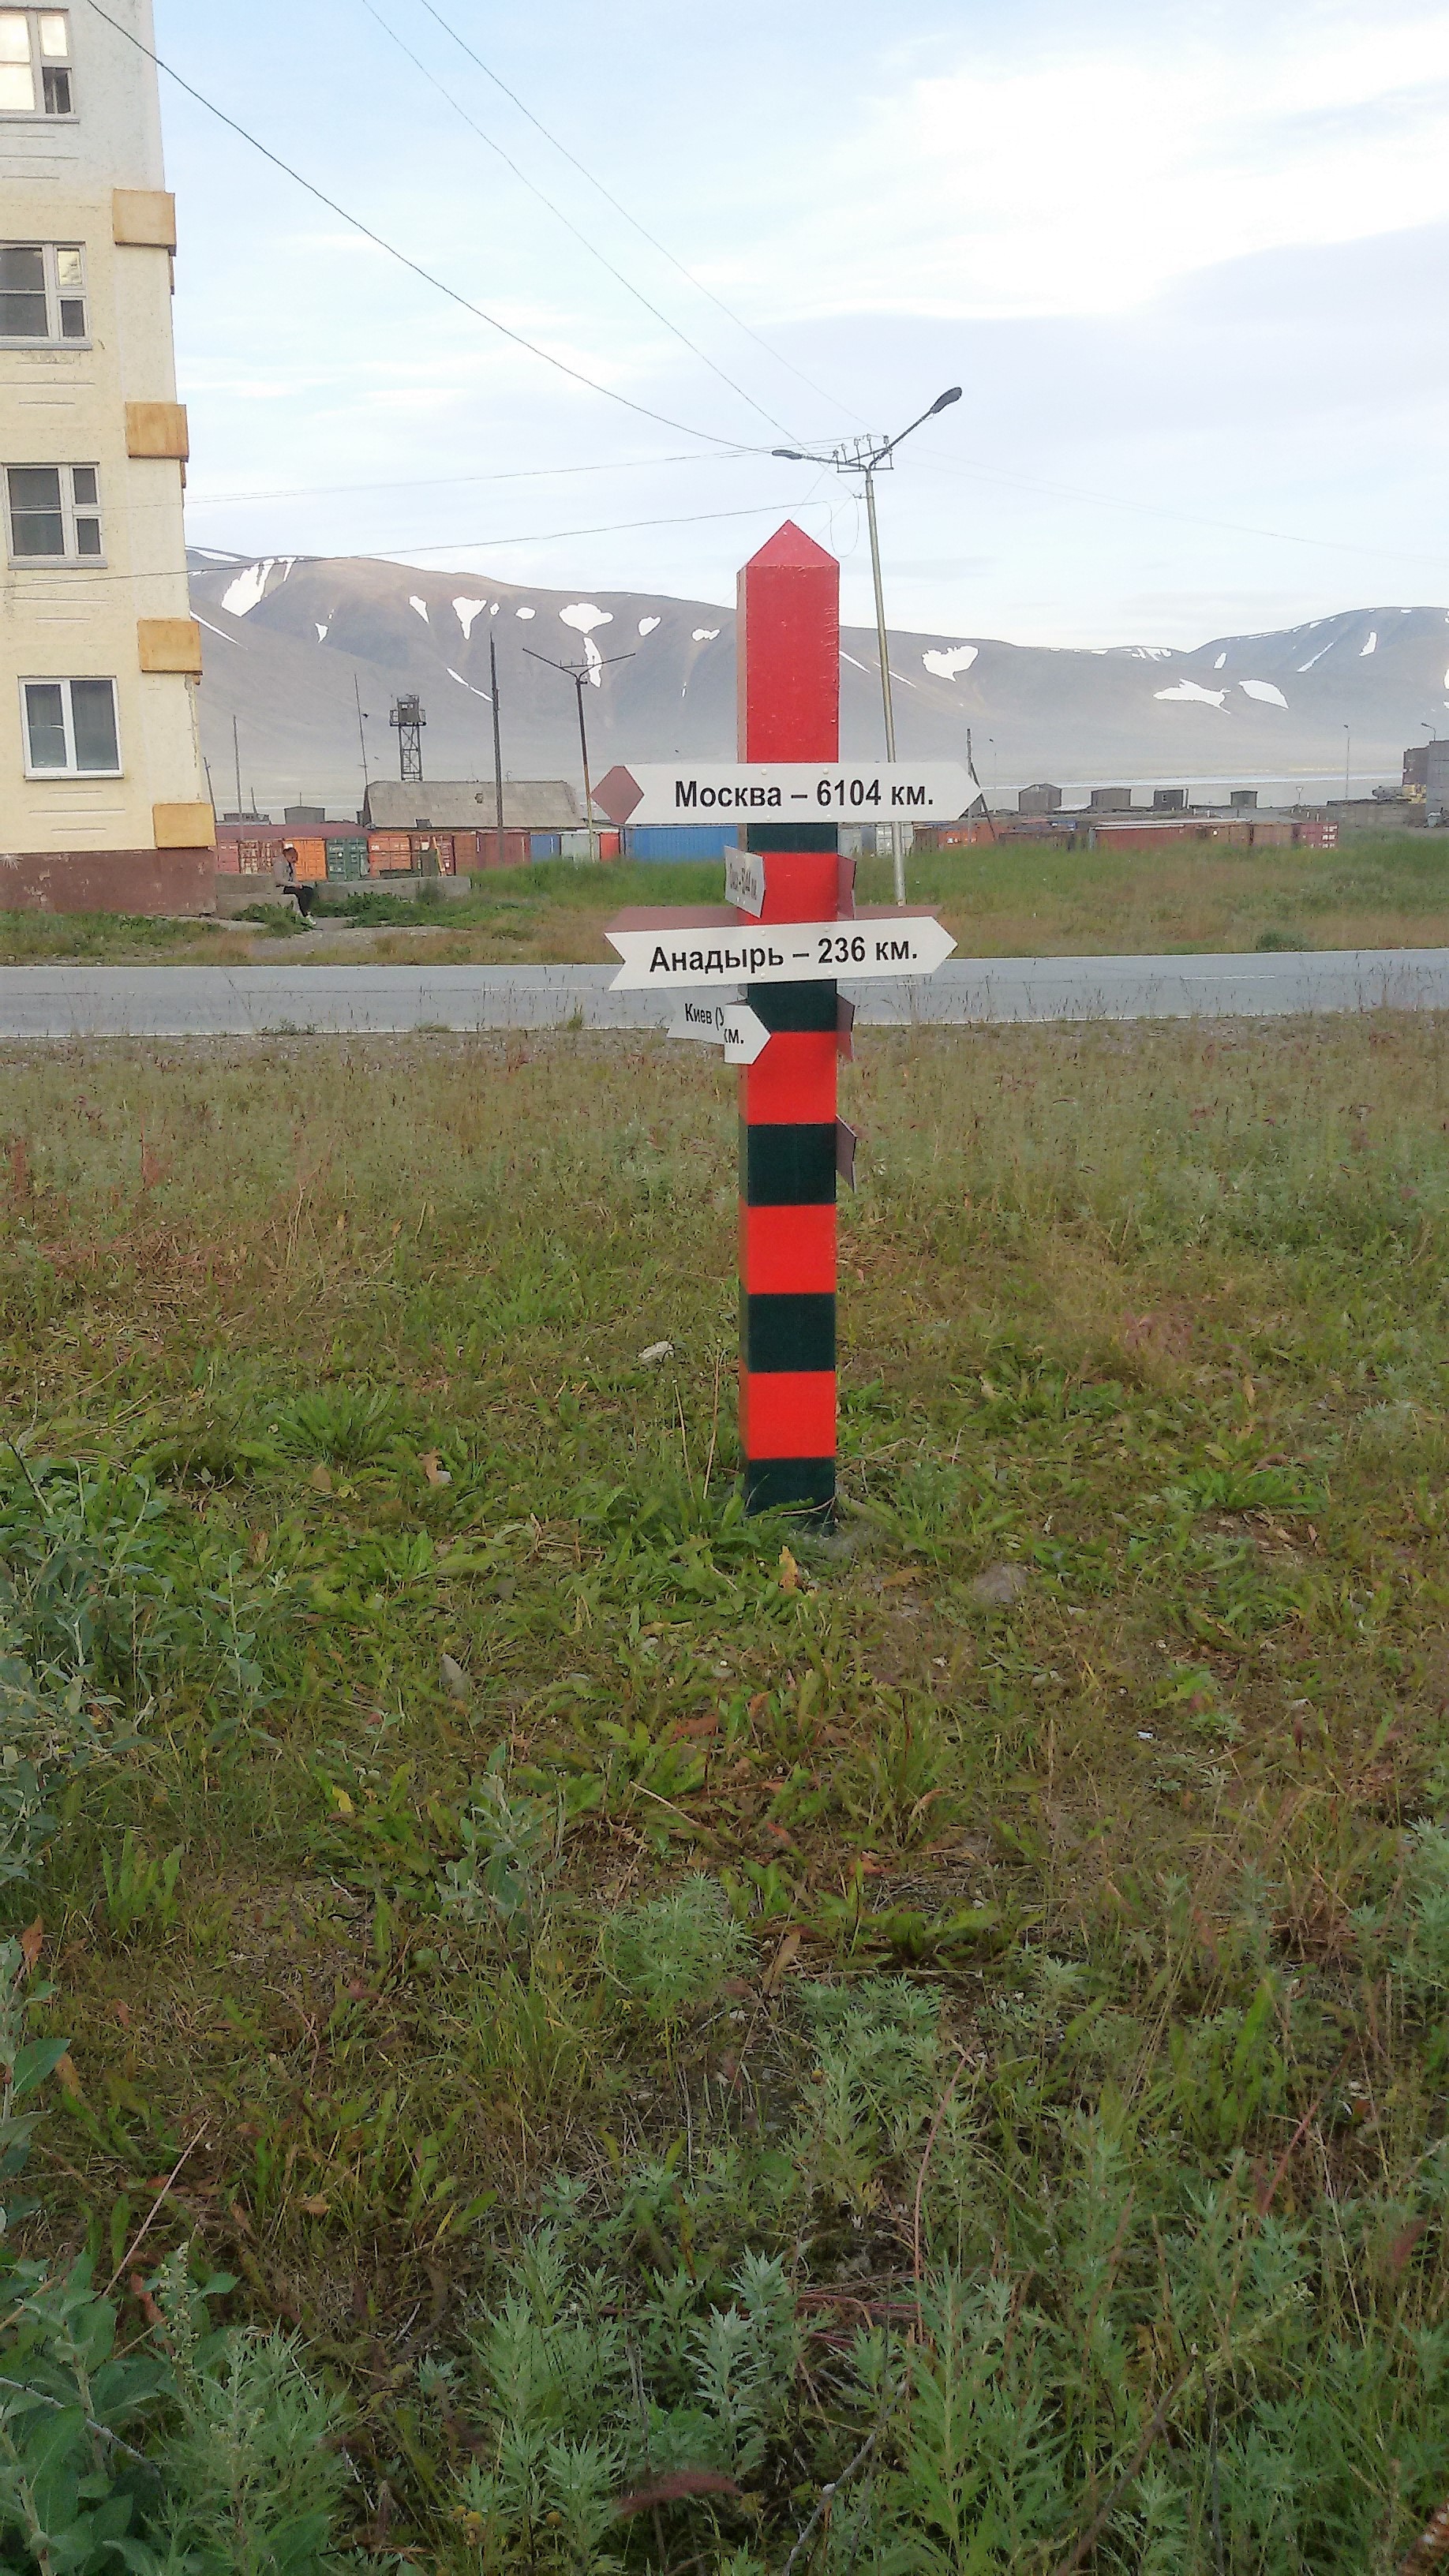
[789, 709]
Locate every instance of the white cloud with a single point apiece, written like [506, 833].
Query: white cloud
[1310, 126]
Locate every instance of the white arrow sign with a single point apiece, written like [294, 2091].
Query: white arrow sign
[745, 881]
[790, 952]
[775, 792]
[732, 1025]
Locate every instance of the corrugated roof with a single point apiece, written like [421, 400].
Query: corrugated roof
[466, 805]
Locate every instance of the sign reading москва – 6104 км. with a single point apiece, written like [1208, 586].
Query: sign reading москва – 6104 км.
[899, 791]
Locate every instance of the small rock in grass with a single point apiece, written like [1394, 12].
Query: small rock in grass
[455, 1680]
[999, 1586]
[656, 1351]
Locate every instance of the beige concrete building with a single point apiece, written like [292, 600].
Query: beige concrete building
[99, 653]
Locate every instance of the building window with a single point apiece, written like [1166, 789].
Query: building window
[35, 63]
[42, 291]
[70, 729]
[55, 513]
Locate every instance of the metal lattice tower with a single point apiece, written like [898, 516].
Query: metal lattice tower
[409, 717]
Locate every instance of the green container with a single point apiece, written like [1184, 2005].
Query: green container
[347, 858]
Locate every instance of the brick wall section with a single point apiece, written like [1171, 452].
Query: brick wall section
[181, 882]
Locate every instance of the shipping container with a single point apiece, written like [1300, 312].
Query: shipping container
[311, 860]
[516, 851]
[347, 857]
[389, 854]
[575, 845]
[681, 841]
[433, 854]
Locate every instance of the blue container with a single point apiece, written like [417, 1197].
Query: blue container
[681, 841]
[543, 845]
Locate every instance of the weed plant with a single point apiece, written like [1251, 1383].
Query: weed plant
[544, 2025]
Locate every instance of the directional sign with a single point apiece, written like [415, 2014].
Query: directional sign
[745, 881]
[732, 1025]
[789, 952]
[900, 791]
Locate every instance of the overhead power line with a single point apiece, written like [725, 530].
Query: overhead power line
[451, 482]
[1155, 510]
[569, 225]
[76, 580]
[686, 429]
[621, 209]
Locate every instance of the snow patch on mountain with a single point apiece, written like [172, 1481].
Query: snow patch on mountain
[705, 634]
[1264, 692]
[250, 587]
[946, 665]
[420, 605]
[467, 613]
[583, 616]
[648, 624]
[1371, 646]
[1191, 693]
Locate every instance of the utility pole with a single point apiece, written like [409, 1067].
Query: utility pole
[362, 738]
[1347, 756]
[236, 756]
[581, 674]
[497, 753]
[865, 457]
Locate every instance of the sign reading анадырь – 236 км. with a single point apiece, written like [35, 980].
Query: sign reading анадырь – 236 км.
[660, 958]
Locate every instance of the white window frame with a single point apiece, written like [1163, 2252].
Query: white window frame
[53, 680]
[70, 509]
[39, 64]
[53, 337]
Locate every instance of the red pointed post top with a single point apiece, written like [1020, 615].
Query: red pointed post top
[789, 550]
[789, 650]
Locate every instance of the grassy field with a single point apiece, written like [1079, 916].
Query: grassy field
[1019, 900]
[566, 2031]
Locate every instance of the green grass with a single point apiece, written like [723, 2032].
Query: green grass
[101, 938]
[1016, 899]
[670, 2010]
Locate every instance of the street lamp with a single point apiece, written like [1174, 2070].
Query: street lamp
[1347, 756]
[865, 456]
[581, 673]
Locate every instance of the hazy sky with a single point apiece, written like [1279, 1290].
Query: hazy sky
[1191, 265]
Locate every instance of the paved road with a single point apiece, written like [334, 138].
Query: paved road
[255, 1001]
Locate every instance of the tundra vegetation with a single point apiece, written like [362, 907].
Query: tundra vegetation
[1017, 899]
[545, 2026]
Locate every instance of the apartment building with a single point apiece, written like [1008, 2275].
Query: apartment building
[102, 794]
